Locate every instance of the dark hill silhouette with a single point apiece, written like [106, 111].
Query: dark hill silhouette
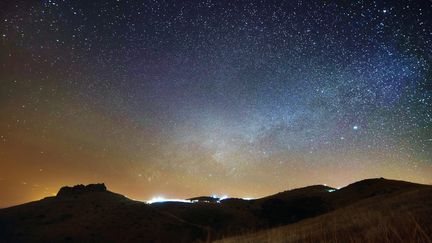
[369, 188]
[77, 190]
[92, 213]
[375, 210]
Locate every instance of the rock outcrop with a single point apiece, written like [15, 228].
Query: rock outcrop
[67, 191]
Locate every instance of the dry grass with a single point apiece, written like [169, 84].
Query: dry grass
[399, 218]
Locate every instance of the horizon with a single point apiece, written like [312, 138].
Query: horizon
[160, 198]
[214, 96]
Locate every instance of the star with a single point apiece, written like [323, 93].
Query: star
[214, 94]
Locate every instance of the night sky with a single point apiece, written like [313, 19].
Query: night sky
[189, 98]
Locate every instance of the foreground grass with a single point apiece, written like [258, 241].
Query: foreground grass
[406, 217]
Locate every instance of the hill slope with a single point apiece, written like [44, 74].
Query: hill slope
[92, 213]
[396, 217]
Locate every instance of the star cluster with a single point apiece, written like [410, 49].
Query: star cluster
[184, 98]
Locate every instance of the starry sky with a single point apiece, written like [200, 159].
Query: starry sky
[188, 98]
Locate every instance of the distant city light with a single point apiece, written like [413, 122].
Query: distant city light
[162, 199]
[223, 197]
[219, 198]
[248, 198]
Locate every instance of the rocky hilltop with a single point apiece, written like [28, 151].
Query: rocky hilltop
[91, 213]
[67, 191]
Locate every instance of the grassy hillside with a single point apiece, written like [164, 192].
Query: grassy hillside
[375, 210]
[400, 217]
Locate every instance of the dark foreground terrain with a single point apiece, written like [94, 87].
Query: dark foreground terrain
[373, 210]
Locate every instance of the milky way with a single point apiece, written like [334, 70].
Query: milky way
[183, 98]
